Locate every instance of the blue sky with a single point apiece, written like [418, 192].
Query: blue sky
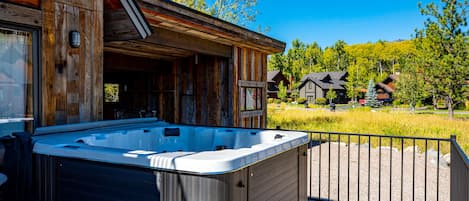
[326, 21]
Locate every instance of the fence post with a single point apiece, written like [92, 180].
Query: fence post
[453, 137]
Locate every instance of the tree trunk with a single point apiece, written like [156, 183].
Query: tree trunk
[435, 103]
[450, 108]
[412, 107]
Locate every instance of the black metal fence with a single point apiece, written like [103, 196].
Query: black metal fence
[351, 166]
[459, 172]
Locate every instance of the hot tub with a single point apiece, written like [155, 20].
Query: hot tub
[147, 159]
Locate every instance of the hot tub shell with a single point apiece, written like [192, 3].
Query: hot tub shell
[83, 169]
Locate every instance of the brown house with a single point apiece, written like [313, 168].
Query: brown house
[385, 89]
[273, 80]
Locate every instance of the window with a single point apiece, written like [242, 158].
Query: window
[251, 98]
[111, 93]
[251, 95]
[18, 66]
[310, 85]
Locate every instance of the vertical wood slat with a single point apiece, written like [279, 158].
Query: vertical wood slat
[97, 44]
[263, 59]
[48, 64]
[177, 86]
[235, 70]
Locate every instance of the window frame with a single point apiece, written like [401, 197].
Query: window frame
[243, 85]
[36, 68]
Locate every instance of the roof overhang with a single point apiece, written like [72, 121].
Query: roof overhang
[168, 29]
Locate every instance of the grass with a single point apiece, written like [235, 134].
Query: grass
[363, 120]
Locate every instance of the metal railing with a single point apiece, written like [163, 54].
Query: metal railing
[459, 172]
[352, 166]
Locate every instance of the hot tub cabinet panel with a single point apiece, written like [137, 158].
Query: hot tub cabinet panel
[278, 178]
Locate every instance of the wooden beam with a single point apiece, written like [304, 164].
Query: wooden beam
[19, 14]
[187, 42]
[138, 53]
[118, 26]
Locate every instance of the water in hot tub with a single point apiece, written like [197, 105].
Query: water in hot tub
[180, 138]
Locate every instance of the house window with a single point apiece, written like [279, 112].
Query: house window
[310, 99]
[111, 93]
[18, 66]
[310, 85]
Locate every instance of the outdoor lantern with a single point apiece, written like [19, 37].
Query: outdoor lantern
[74, 39]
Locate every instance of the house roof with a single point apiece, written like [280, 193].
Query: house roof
[271, 75]
[385, 87]
[385, 83]
[340, 75]
[325, 80]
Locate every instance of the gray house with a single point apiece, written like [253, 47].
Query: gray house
[316, 85]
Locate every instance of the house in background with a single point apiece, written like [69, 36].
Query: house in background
[386, 88]
[316, 85]
[273, 80]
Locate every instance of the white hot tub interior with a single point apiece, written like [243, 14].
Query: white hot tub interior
[181, 138]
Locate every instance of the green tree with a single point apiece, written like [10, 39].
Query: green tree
[277, 62]
[282, 91]
[371, 96]
[341, 55]
[239, 12]
[331, 94]
[443, 46]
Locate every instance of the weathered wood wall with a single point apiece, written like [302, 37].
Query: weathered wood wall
[249, 65]
[202, 90]
[72, 77]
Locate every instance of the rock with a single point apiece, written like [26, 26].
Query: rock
[445, 160]
[341, 143]
[411, 149]
[432, 154]
[388, 148]
[365, 145]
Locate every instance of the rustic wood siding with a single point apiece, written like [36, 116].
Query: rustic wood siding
[72, 77]
[203, 98]
[248, 65]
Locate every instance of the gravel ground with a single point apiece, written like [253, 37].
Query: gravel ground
[359, 180]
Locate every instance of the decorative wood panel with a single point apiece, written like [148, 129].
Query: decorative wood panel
[249, 69]
[72, 77]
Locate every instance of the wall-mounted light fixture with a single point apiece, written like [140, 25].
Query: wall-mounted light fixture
[74, 39]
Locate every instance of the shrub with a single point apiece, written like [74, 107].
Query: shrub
[467, 105]
[301, 100]
[321, 101]
[419, 104]
[290, 100]
[270, 100]
[284, 100]
[396, 102]
[277, 101]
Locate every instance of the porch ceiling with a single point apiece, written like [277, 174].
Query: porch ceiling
[176, 31]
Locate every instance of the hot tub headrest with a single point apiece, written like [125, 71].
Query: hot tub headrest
[174, 132]
[90, 125]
